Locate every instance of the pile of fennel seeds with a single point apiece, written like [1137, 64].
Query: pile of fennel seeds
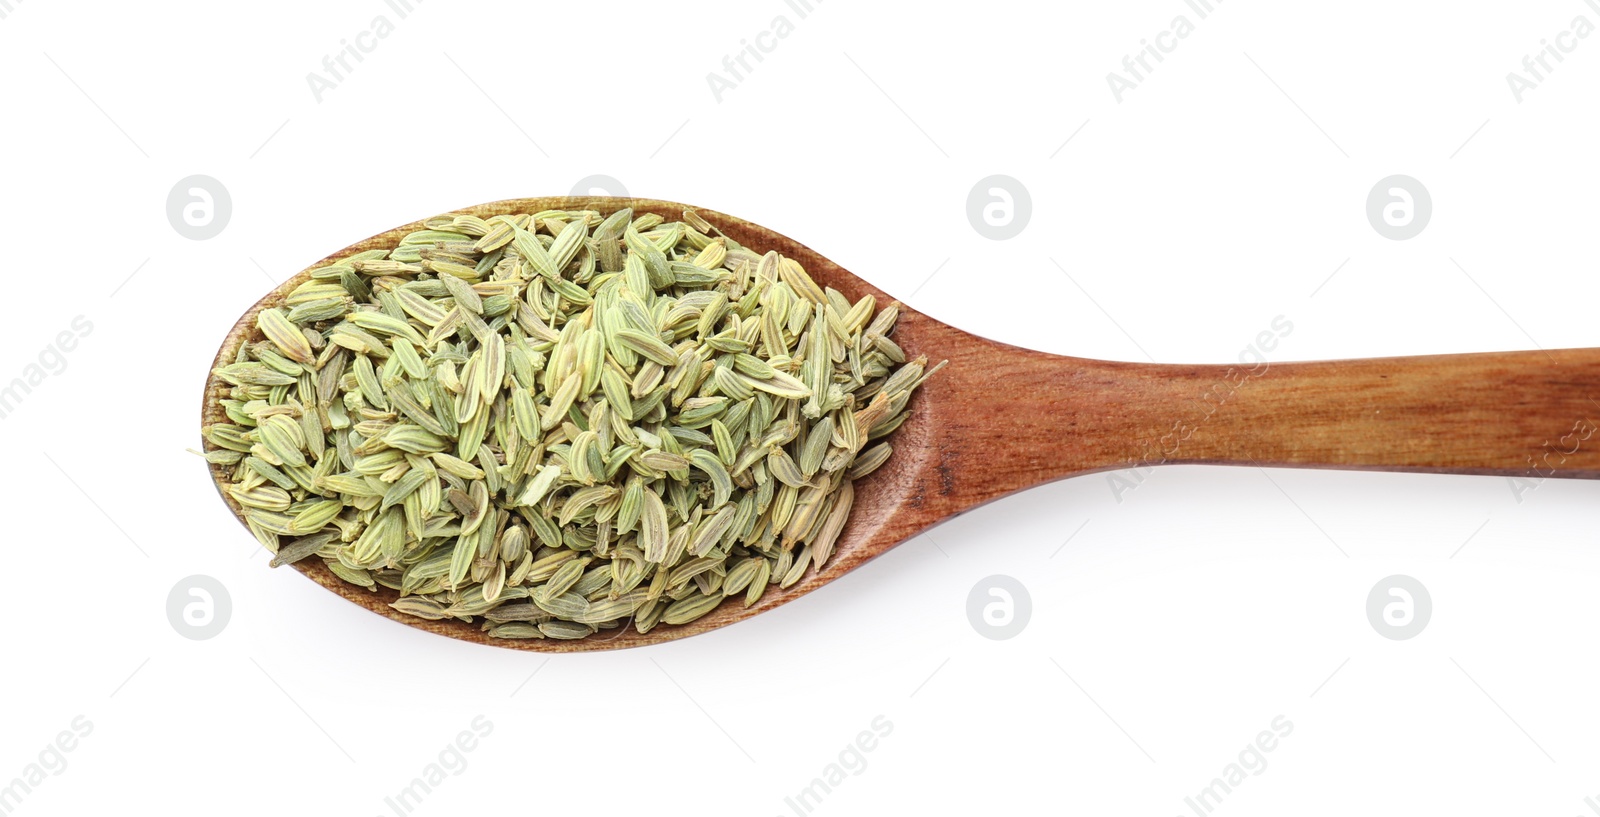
[559, 423]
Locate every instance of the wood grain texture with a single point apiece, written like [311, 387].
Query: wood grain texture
[1000, 419]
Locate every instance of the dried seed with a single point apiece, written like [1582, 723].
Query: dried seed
[285, 335]
[548, 424]
[689, 609]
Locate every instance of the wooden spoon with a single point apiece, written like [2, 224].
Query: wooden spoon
[999, 419]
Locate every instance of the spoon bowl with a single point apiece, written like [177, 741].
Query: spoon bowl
[999, 419]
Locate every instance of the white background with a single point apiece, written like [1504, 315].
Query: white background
[1180, 620]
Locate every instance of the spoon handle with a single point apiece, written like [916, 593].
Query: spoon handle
[1520, 414]
[1528, 415]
